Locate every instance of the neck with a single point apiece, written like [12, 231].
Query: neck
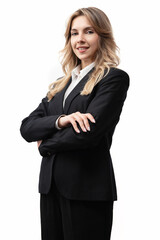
[85, 64]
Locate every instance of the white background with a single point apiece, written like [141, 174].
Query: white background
[32, 33]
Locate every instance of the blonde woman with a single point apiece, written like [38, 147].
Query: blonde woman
[73, 126]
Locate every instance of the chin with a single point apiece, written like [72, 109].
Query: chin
[83, 58]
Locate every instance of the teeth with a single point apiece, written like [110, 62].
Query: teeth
[82, 48]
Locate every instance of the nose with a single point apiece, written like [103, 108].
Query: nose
[81, 37]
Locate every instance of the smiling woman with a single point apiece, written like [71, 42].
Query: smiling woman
[105, 57]
[73, 126]
[84, 40]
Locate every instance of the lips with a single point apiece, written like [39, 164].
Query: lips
[82, 49]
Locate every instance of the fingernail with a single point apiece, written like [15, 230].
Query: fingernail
[78, 131]
[93, 120]
[88, 128]
[84, 130]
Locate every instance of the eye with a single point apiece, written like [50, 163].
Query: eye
[90, 32]
[73, 33]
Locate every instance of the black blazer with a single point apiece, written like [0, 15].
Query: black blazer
[79, 162]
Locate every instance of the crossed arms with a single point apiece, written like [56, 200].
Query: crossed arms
[105, 107]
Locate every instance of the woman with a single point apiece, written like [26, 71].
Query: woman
[73, 126]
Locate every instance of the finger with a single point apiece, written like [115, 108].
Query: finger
[90, 117]
[84, 122]
[80, 119]
[77, 117]
[85, 117]
[74, 124]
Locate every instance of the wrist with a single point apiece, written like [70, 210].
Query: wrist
[59, 123]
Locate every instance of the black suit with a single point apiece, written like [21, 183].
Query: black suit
[82, 163]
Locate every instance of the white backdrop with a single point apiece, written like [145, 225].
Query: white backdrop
[32, 33]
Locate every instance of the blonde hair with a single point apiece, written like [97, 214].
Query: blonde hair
[106, 56]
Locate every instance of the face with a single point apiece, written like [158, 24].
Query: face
[84, 40]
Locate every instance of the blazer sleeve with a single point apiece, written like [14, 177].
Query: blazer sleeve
[105, 107]
[38, 125]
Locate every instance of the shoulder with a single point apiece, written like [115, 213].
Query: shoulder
[116, 75]
[118, 72]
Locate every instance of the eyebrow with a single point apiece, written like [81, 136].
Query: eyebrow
[89, 27]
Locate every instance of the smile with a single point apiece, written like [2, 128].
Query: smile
[82, 49]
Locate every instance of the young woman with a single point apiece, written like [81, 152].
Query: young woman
[73, 126]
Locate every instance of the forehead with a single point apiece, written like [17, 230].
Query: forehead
[80, 22]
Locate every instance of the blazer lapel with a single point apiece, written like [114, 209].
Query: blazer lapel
[78, 88]
[59, 98]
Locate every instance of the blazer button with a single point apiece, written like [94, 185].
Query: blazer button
[48, 153]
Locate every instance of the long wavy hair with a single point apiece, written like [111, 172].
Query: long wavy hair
[106, 55]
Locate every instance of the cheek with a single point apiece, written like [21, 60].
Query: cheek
[72, 43]
[97, 44]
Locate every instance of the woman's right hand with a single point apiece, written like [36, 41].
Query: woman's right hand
[81, 118]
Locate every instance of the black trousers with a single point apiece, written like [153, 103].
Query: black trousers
[65, 219]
